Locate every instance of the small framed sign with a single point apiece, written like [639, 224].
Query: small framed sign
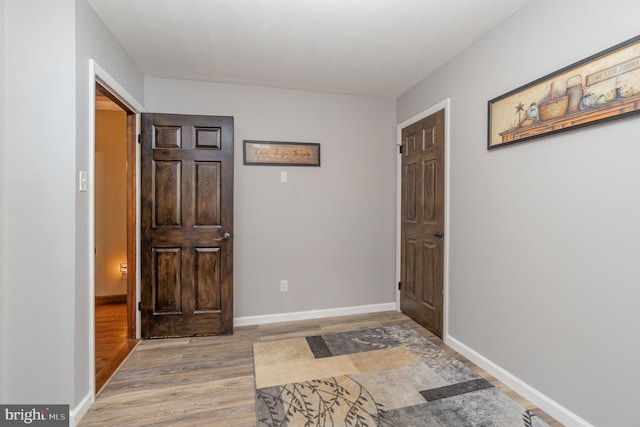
[275, 153]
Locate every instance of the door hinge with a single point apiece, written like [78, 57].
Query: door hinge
[139, 305]
[400, 148]
[139, 139]
[399, 286]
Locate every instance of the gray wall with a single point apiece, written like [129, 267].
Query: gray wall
[93, 40]
[3, 168]
[45, 282]
[329, 230]
[39, 201]
[545, 236]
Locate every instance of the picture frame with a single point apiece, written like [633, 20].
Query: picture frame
[278, 153]
[600, 88]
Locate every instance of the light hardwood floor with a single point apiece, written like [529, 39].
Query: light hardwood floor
[208, 381]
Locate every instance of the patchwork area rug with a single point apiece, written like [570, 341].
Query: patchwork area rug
[389, 376]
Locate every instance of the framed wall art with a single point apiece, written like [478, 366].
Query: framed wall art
[603, 87]
[275, 153]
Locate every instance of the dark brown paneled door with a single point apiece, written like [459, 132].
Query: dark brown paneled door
[187, 225]
[422, 243]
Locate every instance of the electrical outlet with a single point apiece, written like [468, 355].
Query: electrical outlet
[284, 285]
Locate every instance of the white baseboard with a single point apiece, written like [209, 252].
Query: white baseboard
[313, 314]
[78, 412]
[545, 403]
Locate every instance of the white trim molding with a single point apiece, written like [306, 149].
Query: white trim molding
[98, 74]
[545, 403]
[313, 314]
[446, 106]
[78, 412]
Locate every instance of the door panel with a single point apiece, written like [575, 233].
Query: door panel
[207, 194]
[422, 246]
[428, 258]
[166, 203]
[166, 280]
[187, 223]
[410, 196]
[207, 277]
[429, 178]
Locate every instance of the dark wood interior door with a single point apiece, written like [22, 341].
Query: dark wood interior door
[422, 226]
[187, 225]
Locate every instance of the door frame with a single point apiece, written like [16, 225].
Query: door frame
[98, 75]
[442, 105]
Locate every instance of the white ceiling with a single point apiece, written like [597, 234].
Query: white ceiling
[362, 47]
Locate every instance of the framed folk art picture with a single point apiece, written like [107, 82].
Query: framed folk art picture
[603, 87]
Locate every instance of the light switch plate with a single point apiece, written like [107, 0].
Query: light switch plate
[283, 176]
[83, 181]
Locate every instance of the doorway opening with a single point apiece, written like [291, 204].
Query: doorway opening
[115, 233]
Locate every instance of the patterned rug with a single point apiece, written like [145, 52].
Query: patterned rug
[389, 376]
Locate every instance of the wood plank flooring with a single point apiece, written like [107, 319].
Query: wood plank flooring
[112, 345]
[208, 381]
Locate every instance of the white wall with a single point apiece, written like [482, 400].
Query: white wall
[3, 162]
[544, 234]
[329, 230]
[39, 201]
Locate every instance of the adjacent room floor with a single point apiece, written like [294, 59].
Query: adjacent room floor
[112, 345]
[210, 380]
